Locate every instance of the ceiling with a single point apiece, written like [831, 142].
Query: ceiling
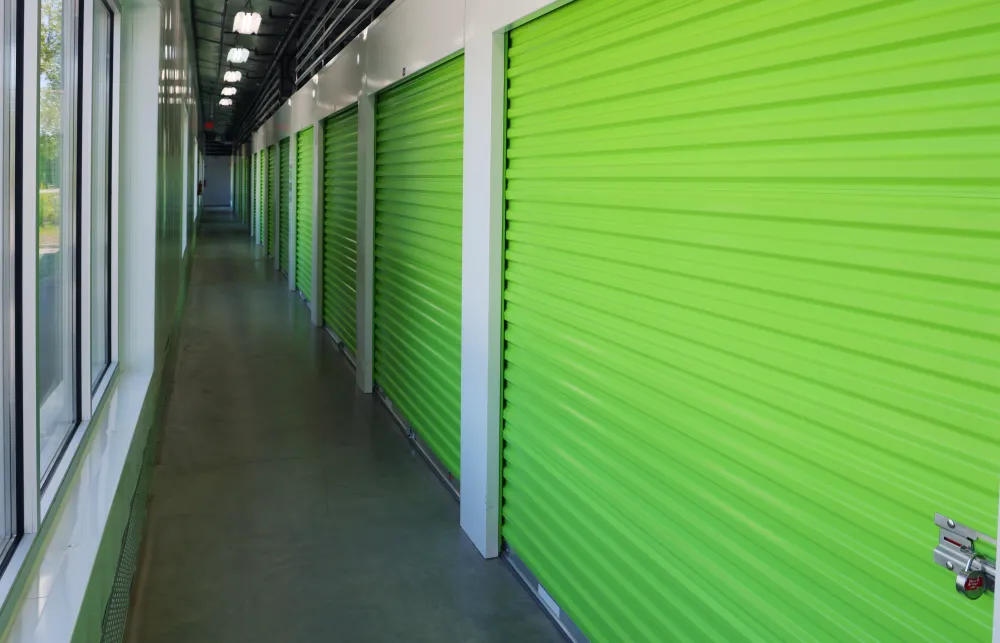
[295, 39]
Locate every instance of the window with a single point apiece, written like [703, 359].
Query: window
[58, 111]
[9, 177]
[100, 222]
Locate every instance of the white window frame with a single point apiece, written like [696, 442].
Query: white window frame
[9, 456]
[85, 389]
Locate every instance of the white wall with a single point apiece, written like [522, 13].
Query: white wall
[218, 182]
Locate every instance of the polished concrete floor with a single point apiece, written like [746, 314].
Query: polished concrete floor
[286, 506]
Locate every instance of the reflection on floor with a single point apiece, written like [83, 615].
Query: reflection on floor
[286, 506]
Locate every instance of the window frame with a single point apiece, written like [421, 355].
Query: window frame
[11, 144]
[88, 395]
[79, 189]
[98, 383]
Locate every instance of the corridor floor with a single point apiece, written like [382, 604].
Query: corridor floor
[286, 506]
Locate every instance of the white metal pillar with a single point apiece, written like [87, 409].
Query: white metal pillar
[366, 241]
[482, 276]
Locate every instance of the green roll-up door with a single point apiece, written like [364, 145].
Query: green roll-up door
[418, 253]
[272, 160]
[238, 186]
[258, 190]
[245, 192]
[234, 185]
[284, 186]
[340, 225]
[304, 211]
[751, 303]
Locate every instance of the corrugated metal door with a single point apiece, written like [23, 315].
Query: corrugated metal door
[418, 253]
[751, 303]
[284, 186]
[246, 189]
[304, 211]
[259, 189]
[340, 225]
[272, 153]
[239, 187]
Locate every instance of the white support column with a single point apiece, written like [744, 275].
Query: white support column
[366, 242]
[137, 231]
[293, 216]
[317, 233]
[482, 277]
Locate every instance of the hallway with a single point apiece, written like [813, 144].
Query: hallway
[287, 506]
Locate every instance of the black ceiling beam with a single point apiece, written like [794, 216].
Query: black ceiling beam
[222, 37]
[307, 8]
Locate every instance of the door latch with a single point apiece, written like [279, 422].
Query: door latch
[975, 574]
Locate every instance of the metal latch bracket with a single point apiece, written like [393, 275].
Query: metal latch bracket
[956, 551]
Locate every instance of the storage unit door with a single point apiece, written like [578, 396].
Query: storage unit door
[241, 188]
[418, 253]
[304, 211]
[284, 186]
[258, 191]
[258, 194]
[234, 185]
[238, 188]
[340, 225]
[245, 191]
[272, 153]
[751, 297]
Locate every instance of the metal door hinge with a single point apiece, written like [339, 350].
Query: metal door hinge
[975, 574]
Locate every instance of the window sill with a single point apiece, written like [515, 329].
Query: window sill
[65, 550]
[68, 461]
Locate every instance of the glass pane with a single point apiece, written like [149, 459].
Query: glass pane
[100, 268]
[57, 109]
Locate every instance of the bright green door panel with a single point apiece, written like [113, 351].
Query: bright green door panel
[418, 253]
[303, 211]
[340, 225]
[240, 187]
[272, 153]
[751, 304]
[259, 191]
[284, 186]
[246, 190]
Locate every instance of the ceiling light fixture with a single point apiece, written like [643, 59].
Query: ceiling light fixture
[233, 76]
[226, 102]
[246, 22]
[228, 91]
[238, 55]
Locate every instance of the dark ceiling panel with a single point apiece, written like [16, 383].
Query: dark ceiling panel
[306, 33]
